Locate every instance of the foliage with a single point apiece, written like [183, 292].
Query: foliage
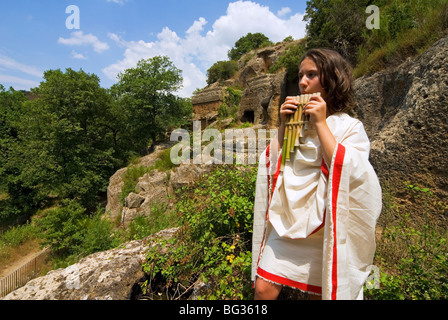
[145, 98]
[62, 227]
[63, 146]
[290, 60]
[406, 29]
[221, 71]
[247, 43]
[213, 244]
[413, 255]
[329, 27]
[70, 232]
[231, 103]
[11, 112]
[12, 240]
[159, 218]
[15, 236]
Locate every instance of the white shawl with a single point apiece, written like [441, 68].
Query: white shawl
[346, 199]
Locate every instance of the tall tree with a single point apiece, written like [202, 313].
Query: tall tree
[66, 148]
[336, 24]
[146, 100]
[247, 43]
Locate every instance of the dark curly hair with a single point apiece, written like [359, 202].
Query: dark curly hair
[336, 78]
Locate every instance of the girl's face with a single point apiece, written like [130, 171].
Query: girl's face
[309, 78]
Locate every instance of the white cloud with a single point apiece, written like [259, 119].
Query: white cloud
[77, 55]
[18, 83]
[195, 52]
[78, 38]
[283, 11]
[117, 1]
[12, 64]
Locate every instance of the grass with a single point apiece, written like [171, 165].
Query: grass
[17, 242]
[159, 218]
[134, 172]
[384, 49]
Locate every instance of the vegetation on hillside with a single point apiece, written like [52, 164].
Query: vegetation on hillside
[69, 140]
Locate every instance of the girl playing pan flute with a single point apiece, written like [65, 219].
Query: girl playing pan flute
[314, 221]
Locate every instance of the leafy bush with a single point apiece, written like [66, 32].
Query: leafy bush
[70, 232]
[214, 242]
[247, 43]
[290, 60]
[18, 235]
[159, 218]
[221, 71]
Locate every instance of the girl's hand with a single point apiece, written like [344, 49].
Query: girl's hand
[317, 109]
[287, 108]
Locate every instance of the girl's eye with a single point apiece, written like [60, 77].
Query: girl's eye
[309, 75]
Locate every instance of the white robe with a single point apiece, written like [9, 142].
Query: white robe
[345, 200]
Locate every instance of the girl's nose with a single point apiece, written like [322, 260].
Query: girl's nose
[303, 83]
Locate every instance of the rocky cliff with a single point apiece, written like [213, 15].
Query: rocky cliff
[405, 112]
[262, 91]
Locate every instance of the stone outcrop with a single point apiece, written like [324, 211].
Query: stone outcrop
[156, 188]
[108, 275]
[405, 112]
[261, 99]
[262, 91]
[206, 104]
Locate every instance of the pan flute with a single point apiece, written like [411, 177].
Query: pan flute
[295, 125]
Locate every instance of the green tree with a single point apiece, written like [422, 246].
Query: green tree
[66, 148]
[328, 25]
[69, 230]
[221, 71]
[247, 43]
[10, 110]
[145, 98]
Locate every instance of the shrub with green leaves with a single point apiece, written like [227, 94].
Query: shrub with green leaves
[69, 231]
[214, 243]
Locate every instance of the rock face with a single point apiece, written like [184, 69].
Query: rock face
[405, 112]
[260, 101]
[262, 93]
[206, 104]
[108, 275]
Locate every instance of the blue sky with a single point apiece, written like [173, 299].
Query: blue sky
[114, 35]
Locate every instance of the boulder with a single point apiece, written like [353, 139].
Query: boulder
[108, 275]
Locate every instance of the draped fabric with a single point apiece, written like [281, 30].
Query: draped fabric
[325, 213]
